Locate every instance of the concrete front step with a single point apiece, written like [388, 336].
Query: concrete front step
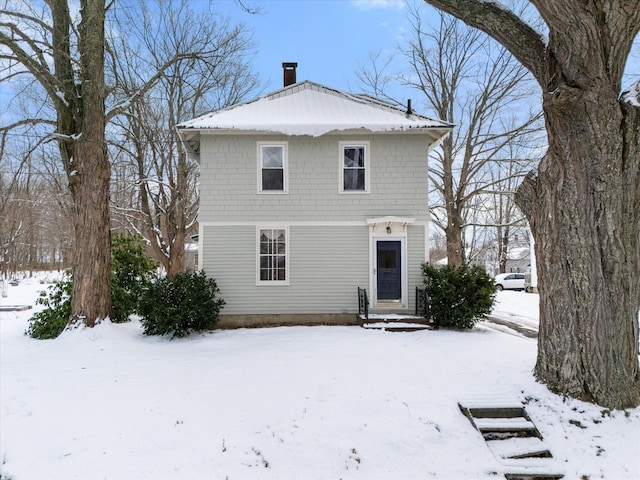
[396, 326]
[395, 322]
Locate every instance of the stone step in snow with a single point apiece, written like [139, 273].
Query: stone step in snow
[525, 475]
[513, 438]
[519, 426]
[518, 448]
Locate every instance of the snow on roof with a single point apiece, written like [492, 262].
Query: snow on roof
[518, 252]
[307, 108]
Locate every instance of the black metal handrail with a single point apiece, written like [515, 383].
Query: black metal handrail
[422, 302]
[363, 303]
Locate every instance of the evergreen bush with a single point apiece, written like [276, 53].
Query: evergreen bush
[52, 320]
[131, 271]
[459, 296]
[180, 304]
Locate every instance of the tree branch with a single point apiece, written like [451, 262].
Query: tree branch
[493, 18]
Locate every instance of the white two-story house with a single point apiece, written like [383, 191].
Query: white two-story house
[306, 194]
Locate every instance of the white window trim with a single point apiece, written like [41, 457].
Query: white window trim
[285, 167]
[367, 168]
[271, 283]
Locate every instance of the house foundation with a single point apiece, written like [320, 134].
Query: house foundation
[280, 320]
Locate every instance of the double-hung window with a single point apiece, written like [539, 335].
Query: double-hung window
[272, 167]
[354, 166]
[272, 256]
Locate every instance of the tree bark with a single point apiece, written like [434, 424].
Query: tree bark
[89, 179]
[583, 203]
[453, 234]
[584, 213]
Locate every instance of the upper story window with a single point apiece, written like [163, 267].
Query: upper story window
[354, 167]
[272, 167]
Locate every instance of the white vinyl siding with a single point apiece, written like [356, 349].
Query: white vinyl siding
[415, 258]
[326, 264]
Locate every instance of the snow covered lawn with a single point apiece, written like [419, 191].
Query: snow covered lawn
[281, 403]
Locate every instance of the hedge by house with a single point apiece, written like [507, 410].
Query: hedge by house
[180, 304]
[459, 296]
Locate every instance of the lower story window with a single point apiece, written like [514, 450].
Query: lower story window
[272, 255]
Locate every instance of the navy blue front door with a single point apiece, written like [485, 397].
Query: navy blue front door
[388, 270]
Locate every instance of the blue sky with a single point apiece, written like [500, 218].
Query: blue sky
[327, 38]
[330, 38]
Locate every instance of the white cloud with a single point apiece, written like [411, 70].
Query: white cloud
[378, 4]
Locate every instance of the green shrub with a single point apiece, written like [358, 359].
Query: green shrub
[131, 271]
[52, 320]
[180, 304]
[459, 296]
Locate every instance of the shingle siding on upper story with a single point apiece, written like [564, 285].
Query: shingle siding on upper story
[229, 179]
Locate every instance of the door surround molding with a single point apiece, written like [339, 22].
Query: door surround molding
[388, 229]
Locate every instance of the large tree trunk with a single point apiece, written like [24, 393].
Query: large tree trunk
[453, 233]
[91, 296]
[453, 229]
[89, 183]
[178, 215]
[584, 210]
[583, 204]
[176, 254]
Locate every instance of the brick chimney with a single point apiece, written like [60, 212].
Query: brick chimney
[289, 69]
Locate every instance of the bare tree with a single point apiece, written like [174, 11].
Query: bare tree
[469, 82]
[214, 76]
[63, 55]
[508, 229]
[34, 204]
[583, 201]
[67, 61]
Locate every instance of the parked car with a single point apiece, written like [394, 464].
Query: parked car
[509, 281]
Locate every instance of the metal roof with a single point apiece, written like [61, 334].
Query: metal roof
[307, 108]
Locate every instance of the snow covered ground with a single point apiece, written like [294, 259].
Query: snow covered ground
[517, 307]
[284, 403]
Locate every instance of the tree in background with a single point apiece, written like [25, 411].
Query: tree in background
[35, 217]
[583, 201]
[66, 60]
[56, 58]
[470, 82]
[157, 188]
